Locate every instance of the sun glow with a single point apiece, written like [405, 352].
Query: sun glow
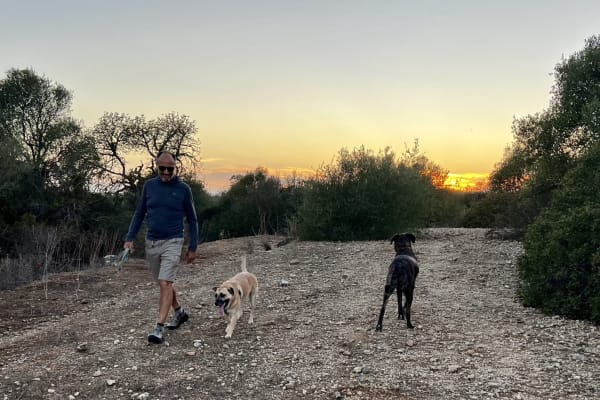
[471, 182]
[218, 180]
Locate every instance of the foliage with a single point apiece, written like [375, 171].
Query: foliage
[447, 208]
[49, 160]
[511, 172]
[364, 196]
[560, 269]
[54, 172]
[35, 121]
[203, 202]
[415, 159]
[255, 204]
[34, 112]
[547, 144]
[550, 176]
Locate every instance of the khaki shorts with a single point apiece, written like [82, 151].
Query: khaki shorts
[163, 257]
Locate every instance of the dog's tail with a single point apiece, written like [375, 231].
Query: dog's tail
[244, 263]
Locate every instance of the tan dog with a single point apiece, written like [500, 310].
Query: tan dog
[230, 296]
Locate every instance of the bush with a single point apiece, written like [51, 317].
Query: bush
[363, 197]
[499, 210]
[256, 204]
[560, 269]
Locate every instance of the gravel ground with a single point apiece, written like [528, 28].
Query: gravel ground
[313, 336]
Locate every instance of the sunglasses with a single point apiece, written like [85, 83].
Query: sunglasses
[162, 168]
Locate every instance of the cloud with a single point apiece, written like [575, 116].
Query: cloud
[211, 160]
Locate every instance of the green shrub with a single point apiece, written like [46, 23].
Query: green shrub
[560, 269]
[256, 203]
[363, 196]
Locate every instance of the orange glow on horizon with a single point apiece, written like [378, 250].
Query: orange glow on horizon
[471, 182]
[218, 180]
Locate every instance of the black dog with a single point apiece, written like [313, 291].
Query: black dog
[402, 274]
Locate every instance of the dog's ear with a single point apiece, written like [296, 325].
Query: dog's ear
[230, 290]
[394, 238]
[411, 237]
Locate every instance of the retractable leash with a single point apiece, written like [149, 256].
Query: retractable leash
[123, 257]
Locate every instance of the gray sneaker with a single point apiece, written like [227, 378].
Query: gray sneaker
[156, 336]
[180, 317]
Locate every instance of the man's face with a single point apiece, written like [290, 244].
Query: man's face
[166, 167]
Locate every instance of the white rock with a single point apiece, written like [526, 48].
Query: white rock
[453, 368]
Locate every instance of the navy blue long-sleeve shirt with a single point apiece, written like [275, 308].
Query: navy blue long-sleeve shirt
[164, 205]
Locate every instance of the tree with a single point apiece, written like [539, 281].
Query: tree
[114, 137]
[364, 196]
[552, 172]
[121, 139]
[253, 204]
[48, 161]
[510, 174]
[547, 145]
[550, 140]
[35, 112]
[36, 124]
[576, 100]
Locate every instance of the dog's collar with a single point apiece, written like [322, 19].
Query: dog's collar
[406, 251]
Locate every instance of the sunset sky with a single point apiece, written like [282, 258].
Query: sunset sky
[286, 84]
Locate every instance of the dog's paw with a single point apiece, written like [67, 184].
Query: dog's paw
[378, 328]
[410, 326]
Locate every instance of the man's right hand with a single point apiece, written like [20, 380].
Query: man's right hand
[128, 245]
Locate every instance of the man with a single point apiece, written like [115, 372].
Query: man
[165, 201]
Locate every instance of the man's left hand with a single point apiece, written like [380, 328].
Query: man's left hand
[190, 256]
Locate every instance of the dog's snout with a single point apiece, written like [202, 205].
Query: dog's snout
[220, 299]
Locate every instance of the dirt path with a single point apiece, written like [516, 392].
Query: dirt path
[313, 338]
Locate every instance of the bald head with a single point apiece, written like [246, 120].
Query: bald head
[165, 155]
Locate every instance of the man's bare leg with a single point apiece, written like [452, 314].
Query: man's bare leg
[167, 299]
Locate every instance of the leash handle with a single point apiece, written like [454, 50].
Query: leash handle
[123, 257]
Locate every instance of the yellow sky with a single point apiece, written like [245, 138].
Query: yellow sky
[286, 84]
[305, 135]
